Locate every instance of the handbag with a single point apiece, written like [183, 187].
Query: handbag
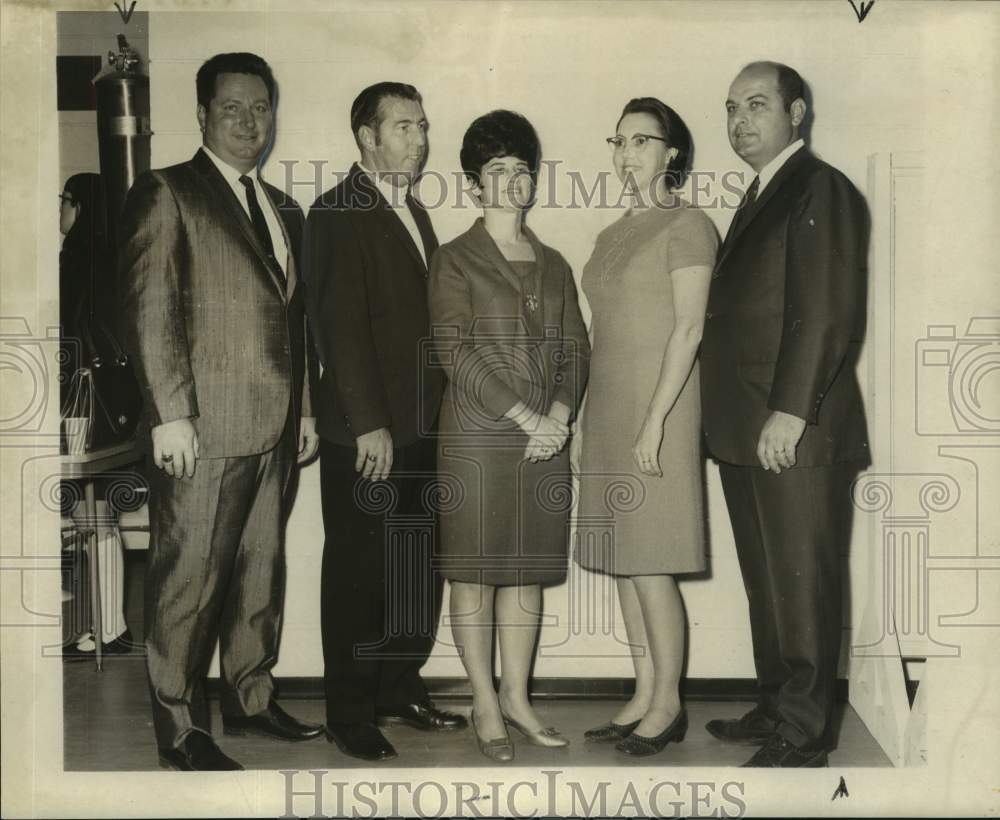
[103, 390]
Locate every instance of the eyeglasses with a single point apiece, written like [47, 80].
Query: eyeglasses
[66, 198]
[638, 141]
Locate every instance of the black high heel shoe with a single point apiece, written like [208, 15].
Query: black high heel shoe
[610, 732]
[641, 746]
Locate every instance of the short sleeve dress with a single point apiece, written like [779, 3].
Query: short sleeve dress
[628, 523]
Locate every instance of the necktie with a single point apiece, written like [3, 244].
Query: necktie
[257, 217]
[423, 225]
[748, 199]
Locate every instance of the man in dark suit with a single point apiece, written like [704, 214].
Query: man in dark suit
[216, 328]
[367, 248]
[782, 409]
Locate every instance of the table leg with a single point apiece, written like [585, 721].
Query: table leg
[90, 506]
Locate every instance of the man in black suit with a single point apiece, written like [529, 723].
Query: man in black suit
[782, 409]
[216, 328]
[368, 243]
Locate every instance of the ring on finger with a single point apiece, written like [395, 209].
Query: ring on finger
[166, 459]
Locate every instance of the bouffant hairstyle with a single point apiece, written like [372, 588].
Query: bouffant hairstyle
[672, 129]
[500, 133]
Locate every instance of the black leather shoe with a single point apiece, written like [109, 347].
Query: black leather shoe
[362, 740]
[272, 722]
[778, 753]
[610, 732]
[642, 746]
[424, 716]
[753, 729]
[198, 753]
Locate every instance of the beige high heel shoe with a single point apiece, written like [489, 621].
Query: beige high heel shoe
[550, 738]
[499, 749]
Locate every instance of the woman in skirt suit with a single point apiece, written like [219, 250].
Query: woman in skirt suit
[509, 334]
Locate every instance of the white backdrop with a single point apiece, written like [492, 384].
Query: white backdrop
[570, 68]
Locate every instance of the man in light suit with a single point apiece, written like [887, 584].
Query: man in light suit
[782, 409]
[368, 243]
[216, 328]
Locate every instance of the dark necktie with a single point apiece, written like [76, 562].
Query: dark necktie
[748, 200]
[423, 225]
[257, 218]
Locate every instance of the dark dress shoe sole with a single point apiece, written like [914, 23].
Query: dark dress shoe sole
[359, 755]
[820, 760]
[243, 731]
[396, 720]
[739, 740]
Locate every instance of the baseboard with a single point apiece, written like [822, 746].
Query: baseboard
[708, 689]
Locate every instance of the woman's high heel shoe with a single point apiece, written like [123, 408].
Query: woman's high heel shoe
[640, 746]
[549, 738]
[499, 749]
[610, 732]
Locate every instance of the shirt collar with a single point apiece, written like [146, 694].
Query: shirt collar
[231, 175]
[389, 191]
[768, 171]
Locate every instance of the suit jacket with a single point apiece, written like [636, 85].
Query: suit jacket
[213, 329]
[484, 342]
[785, 319]
[366, 291]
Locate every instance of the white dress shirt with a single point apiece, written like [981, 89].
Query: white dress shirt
[396, 197]
[232, 176]
[768, 171]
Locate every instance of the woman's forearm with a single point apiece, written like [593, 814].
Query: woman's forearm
[678, 358]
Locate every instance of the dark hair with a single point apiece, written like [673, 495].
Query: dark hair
[500, 133]
[790, 84]
[672, 129]
[366, 108]
[87, 191]
[239, 62]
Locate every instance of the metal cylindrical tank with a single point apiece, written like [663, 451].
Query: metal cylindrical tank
[123, 130]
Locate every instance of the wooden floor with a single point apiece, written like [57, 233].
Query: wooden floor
[108, 727]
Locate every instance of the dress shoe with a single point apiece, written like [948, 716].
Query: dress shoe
[198, 753]
[424, 716]
[122, 645]
[549, 738]
[753, 729]
[499, 749]
[610, 732]
[272, 722]
[778, 753]
[642, 746]
[361, 740]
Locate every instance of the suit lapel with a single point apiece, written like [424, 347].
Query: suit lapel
[230, 203]
[486, 246]
[291, 274]
[363, 182]
[765, 196]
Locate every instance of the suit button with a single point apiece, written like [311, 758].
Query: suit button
[708, 315]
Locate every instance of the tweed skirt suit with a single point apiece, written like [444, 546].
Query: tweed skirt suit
[503, 332]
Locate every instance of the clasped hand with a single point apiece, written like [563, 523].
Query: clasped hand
[546, 437]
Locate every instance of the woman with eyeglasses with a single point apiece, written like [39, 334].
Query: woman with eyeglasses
[647, 284]
[509, 334]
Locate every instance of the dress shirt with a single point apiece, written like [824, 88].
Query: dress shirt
[232, 177]
[768, 171]
[396, 197]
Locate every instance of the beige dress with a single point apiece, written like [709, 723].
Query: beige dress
[628, 523]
